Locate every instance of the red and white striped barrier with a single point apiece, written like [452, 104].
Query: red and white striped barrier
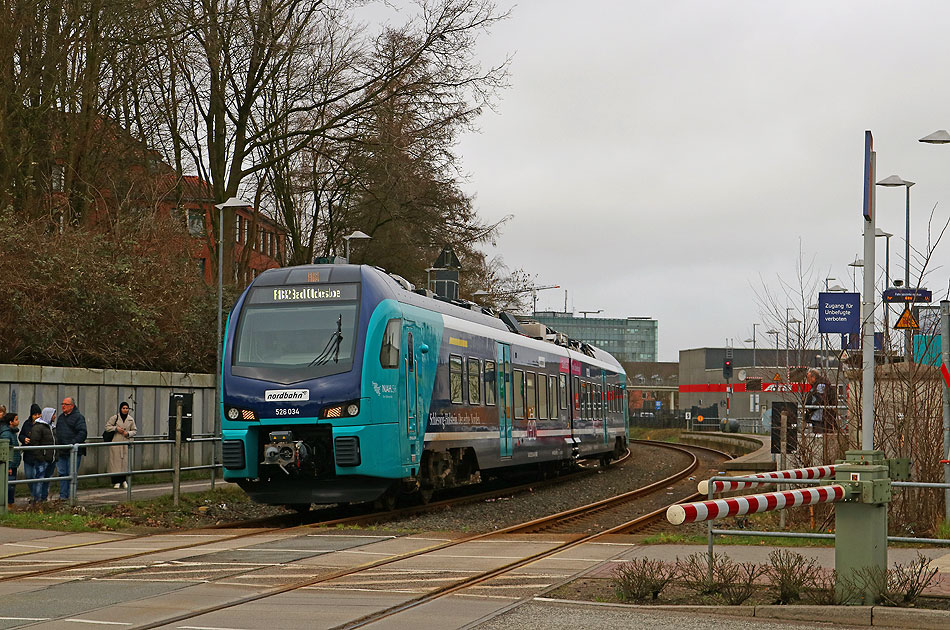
[752, 504]
[815, 472]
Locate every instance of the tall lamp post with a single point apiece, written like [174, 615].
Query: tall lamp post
[879, 233]
[357, 235]
[854, 264]
[942, 137]
[232, 202]
[798, 334]
[893, 181]
[776, 333]
[753, 343]
[788, 312]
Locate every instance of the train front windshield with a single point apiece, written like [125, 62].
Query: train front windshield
[288, 334]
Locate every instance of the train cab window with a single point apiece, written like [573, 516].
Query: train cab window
[392, 337]
[474, 382]
[562, 385]
[490, 385]
[455, 378]
[530, 398]
[542, 396]
[518, 386]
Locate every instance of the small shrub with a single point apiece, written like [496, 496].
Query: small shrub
[694, 574]
[900, 586]
[823, 589]
[641, 578]
[789, 572]
[737, 580]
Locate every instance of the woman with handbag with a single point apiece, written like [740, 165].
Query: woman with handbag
[120, 429]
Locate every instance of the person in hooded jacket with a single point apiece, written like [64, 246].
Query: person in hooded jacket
[123, 427]
[9, 424]
[42, 435]
[26, 428]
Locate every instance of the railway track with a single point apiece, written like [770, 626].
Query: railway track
[170, 561]
[271, 525]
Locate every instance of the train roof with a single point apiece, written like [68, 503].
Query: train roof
[403, 291]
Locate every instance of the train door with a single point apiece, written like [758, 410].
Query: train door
[412, 382]
[604, 404]
[503, 355]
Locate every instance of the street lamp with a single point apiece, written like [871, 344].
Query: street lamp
[232, 202]
[357, 235]
[942, 137]
[879, 233]
[798, 334]
[776, 333]
[857, 262]
[788, 312]
[892, 181]
[752, 340]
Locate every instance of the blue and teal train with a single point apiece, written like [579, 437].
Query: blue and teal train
[343, 384]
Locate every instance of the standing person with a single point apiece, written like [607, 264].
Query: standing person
[821, 395]
[41, 435]
[70, 429]
[8, 430]
[123, 424]
[25, 430]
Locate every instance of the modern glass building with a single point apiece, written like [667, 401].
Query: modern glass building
[629, 339]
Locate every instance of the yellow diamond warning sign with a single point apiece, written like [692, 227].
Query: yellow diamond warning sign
[906, 320]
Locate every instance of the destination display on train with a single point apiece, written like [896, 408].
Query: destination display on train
[291, 295]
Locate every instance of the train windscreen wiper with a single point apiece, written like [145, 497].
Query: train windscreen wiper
[332, 349]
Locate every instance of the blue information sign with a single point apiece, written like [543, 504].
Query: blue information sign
[854, 342]
[839, 313]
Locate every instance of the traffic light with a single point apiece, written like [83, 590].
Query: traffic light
[727, 369]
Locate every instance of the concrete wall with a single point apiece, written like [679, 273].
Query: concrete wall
[98, 394]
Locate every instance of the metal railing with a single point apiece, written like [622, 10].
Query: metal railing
[712, 532]
[73, 455]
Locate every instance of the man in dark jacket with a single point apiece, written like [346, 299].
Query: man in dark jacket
[70, 429]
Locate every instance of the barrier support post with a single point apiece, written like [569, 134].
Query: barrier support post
[861, 524]
[5, 457]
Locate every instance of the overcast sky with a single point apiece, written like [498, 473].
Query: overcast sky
[669, 158]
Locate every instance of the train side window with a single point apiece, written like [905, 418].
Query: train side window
[530, 398]
[542, 396]
[518, 386]
[577, 396]
[562, 384]
[599, 394]
[474, 381]
[490, 385]
[552, 396]
[392, 338]
[455, 377]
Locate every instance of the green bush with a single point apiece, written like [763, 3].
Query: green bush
[127, 296]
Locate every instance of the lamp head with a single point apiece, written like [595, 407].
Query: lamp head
[937, 137]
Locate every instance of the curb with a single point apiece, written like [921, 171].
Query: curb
[880, 616]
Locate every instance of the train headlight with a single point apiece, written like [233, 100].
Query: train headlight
[237, 413]
[344, 410]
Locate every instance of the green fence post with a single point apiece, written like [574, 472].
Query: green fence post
[5, 457]
[861, 526]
